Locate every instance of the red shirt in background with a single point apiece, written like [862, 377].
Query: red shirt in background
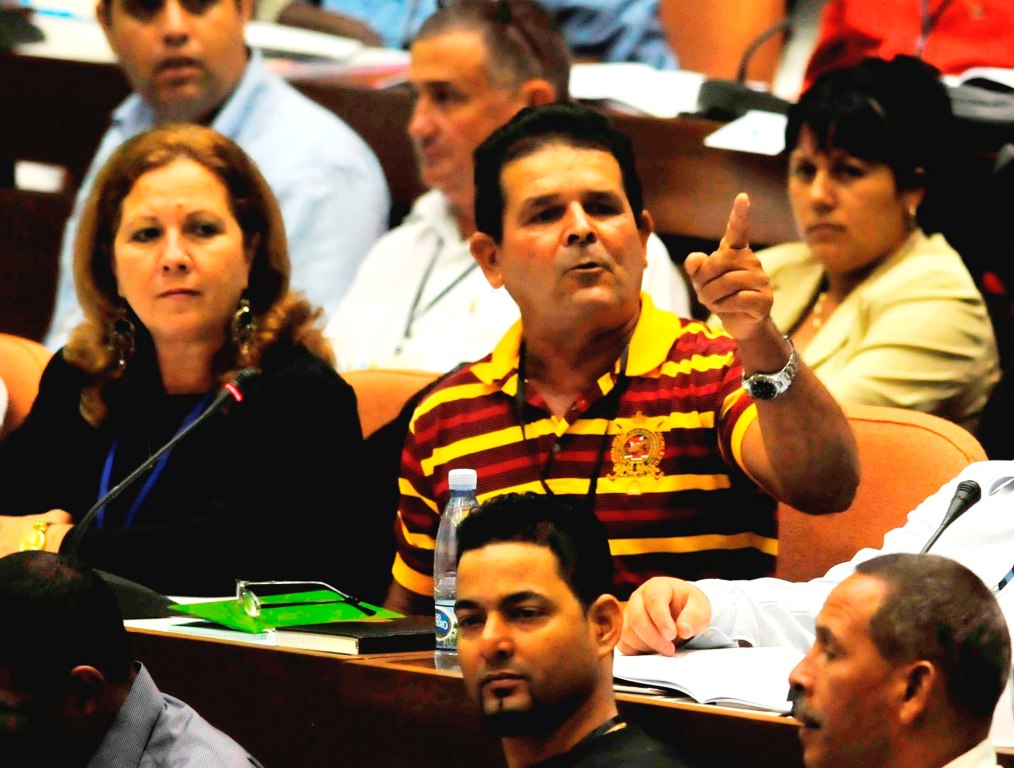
[961, 34]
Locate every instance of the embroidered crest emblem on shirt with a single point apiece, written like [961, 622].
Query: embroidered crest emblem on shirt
[637, 451]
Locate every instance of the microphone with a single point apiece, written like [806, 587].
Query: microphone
[16, 27]
[729, 99]
[967, 493]
[232, 391]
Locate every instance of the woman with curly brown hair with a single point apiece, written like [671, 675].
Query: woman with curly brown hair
[182, 271]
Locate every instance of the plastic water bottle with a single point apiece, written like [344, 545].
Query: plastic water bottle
[462, 483]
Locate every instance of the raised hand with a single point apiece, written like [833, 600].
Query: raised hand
[731, 282]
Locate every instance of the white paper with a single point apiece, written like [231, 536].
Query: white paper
[280, 39]
[757, 131]
[995, 74]
[656, 92]
[192, 626]
[69, 37]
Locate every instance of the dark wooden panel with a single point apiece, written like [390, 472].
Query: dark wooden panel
[55, 111]
[31, 228]
[306, 710]
[689, 188]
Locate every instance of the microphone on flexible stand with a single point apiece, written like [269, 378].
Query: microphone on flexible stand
[729, 99]
[137, 601]
[966, 495]
[16, 27]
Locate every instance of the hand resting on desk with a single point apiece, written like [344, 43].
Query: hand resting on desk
[14, 529]
[662, 613]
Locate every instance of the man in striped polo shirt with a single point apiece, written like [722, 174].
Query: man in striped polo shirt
[678, 436]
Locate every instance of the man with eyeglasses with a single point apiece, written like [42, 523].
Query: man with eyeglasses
[419, 299]
[187, 61]
[70, 694]
[665, 612]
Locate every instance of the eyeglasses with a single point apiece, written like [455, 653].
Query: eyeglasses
[253, 605]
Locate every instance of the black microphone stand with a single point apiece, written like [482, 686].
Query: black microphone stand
[729, 99]
[136, 600]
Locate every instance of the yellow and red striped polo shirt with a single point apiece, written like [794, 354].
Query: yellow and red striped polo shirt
[670, 489]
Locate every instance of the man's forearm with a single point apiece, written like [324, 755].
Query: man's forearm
[807, 456]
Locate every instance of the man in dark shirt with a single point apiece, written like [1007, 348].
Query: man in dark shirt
[536, 630]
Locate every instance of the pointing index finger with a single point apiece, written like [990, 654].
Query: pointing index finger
[738, 226]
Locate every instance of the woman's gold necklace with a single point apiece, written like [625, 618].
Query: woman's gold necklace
[817, 313]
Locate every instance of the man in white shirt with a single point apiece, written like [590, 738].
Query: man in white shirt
[910, 657]
[187, 61]
[419, 300]
[665, 612]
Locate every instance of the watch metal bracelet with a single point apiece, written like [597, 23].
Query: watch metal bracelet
[768, 386]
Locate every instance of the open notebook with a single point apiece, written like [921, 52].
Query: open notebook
[753, 678]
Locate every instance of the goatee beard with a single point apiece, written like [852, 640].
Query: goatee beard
[539, 718]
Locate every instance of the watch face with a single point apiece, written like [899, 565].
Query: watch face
[762, 389]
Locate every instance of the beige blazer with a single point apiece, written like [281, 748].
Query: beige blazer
[914, 334]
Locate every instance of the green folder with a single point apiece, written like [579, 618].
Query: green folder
[314, 607]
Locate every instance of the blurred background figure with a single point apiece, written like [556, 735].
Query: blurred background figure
[952, 36]
[998, 288]
[595, 30]
[884, 313]
[474, 64]
[182, 269]
[189, 62]
[714, 36]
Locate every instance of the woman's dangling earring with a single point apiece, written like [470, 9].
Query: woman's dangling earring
[243, 326]
[121, 338]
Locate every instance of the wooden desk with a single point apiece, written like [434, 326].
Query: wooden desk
[299, 708]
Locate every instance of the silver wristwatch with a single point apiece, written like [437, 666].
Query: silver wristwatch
[768, 386]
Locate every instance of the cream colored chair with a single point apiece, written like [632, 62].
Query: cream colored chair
[381, 393]
[904, 456]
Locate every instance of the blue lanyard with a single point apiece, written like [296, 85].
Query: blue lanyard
[107, 469]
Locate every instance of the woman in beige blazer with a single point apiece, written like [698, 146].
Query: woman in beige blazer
[883, 313]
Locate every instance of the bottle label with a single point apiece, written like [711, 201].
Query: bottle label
[446, 625]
